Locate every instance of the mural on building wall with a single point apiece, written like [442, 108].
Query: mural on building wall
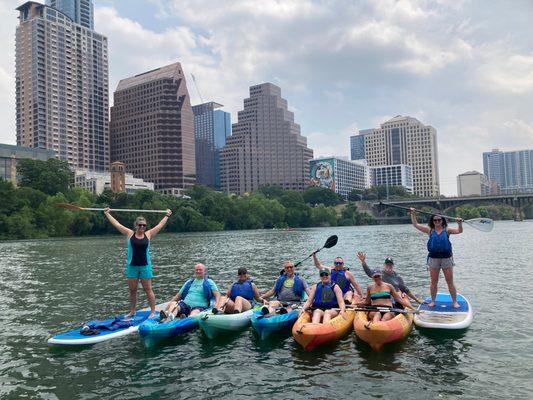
[322, 174]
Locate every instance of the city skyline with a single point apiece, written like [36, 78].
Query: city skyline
[465, 78]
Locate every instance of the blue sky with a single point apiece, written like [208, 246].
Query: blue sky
[464, 67]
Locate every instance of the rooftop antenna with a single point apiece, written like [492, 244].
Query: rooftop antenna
[196, 86]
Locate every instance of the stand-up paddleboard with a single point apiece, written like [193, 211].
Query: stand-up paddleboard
[101, 330]
[444, 315]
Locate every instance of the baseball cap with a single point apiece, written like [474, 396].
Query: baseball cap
[388, 260]
[376, 272]
[324, 271]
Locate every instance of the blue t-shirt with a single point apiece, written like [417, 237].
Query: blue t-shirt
[195, 297]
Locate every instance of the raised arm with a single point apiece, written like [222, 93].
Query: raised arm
[354, 283]
[317, 261]
[362, 257]
[155, 230]
[421, 228]
[459, 229]
[121, 228]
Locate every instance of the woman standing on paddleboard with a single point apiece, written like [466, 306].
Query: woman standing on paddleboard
[440, 252]
[139, 266]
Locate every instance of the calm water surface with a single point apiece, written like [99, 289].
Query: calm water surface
[49, 286]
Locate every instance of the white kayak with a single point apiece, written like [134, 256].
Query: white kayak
[444, 315]
[215, 325]
[97, 331]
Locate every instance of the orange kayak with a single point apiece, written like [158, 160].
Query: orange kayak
[376, 334]
[310, 335]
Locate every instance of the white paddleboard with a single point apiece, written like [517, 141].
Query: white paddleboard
[443, 315]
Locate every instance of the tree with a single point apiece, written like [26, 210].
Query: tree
[51, 177]
[355, 195]
[319, 195]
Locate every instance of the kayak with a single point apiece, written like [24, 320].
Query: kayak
[96, 331]
[267, 325]
[215, 325]
[379, 333]
[444, 315]
[153, 329]
[310, 335]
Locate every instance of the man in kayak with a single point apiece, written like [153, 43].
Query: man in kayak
[325, 297]
[240, 295]
[389, 276]
[342, 277]
[194, 296]
[289, 289]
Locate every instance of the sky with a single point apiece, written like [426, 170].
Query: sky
[463, 67]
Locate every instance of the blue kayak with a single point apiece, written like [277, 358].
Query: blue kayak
[153, 330]
[266, 325]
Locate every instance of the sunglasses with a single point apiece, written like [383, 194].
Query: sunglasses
[242, 273]
[338, 262]
[141, 225]
[324, 274]
[289, 267]
[437, 219]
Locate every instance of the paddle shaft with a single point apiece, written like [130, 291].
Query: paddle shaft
[372, 308]
[418, 211]
[124, 210]
[330, 242]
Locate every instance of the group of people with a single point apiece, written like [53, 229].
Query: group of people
[328, 298]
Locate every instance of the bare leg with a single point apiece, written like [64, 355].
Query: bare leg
[195, 311]
[147, 286]
[273, 306]
[434, 275]
[388, 316]
[245, 304]
[132, 287]
[221, 301]
[329, 314]
[230, 307]
[348, 297]
[317, 316]
[448, 275]
[377, 317]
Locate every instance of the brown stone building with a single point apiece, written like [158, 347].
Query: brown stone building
[266, 146]
[152, 128]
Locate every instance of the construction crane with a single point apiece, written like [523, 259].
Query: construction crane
[196, 86]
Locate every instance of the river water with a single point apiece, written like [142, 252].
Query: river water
[48, 286]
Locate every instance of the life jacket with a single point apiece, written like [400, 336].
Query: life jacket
[439, 246]
[325, 296]
[208, 293]
[339, 277]
[243, 289]
[298, 287]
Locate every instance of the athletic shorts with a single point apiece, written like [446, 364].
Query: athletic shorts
[440, 262]
[139, 272]
[186, 309]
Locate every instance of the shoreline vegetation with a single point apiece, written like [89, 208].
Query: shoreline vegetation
[30, 212]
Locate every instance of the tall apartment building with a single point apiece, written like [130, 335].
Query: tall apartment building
[152, 128]
[405, 140]
[62, 89]
[266, 146]
[341, 176]
[393, 175]
[357, 145]
[473, 183]
[80, 11]
[211, 128]
[512, 170]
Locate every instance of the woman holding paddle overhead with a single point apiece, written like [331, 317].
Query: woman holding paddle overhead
[139, 265]
[440, 252]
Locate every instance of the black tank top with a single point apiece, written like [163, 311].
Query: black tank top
[139, 249]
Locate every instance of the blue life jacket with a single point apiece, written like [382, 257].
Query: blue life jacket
[208, 293]
[339, 277]
[298, 287]
[325, 296]
[439, 246]
[243, 289]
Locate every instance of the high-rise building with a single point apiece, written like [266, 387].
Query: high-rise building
[339, 175]
[211, 128]
[473, 183]
[79, 11]
[512, 170]
[266, 146]
[393, 175]
[152, 127]
[405, 140]
[62, 92]
[357, 145]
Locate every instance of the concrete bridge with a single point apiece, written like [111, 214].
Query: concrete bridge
[445, 204]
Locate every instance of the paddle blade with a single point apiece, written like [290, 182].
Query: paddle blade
[332, 241]
[71, 207]
[481, 224]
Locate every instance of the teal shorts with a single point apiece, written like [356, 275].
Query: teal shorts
[136, 272]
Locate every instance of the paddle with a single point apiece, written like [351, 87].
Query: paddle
[376, 308]
[73, 207]
[330, 242]
[481, 224]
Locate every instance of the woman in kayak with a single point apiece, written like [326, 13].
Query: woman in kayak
[381, 294]
[440, 252]
[240, 295]
[139, 265]
[324, 297]
[342, 277]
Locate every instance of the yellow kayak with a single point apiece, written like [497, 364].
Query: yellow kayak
[376, 334]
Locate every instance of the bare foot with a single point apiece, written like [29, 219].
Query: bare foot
[152, 314]
[432, 304]
[456, 305]
[129, 315]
